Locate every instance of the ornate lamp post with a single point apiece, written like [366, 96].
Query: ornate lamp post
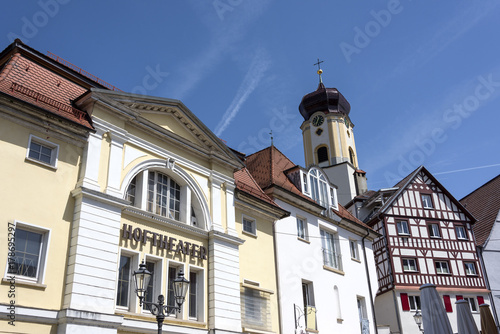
[418, 320]
[180, 286]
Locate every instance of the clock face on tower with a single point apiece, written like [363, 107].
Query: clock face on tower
[318, 120]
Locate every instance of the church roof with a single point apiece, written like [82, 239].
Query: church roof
[484, 204]
[327, 100]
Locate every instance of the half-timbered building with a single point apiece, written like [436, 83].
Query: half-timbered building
[427, 237]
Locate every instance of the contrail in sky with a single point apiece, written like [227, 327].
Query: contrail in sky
[466, 169]
[254, 75]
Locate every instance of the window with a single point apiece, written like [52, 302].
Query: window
[130, 193]
[163, 195]
[402, 227]
[309, 308]
[322, 154]
[472, 303]
[255, 309]
[30, 252]
[427, 201]
[319, 187]
[409, 265]
[124, 275]
[302, 228]
[414, 303]
[193, 295]
[42, 151]
[351, 156]
[249, 225]
[470, 268]
[331, 250]
[434, 230]
[304, 182]
[461, 232]
[442, 267]
[172, 274]
[353, 244]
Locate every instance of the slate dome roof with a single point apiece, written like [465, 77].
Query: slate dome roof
[324, 99]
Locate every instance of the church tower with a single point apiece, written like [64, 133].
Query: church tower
[328, 139]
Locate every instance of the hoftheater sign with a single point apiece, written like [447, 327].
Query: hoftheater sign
[163, 242]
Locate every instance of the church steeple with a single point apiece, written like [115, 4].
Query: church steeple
[328, 139]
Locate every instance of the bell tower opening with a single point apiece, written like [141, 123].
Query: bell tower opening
[322, 154]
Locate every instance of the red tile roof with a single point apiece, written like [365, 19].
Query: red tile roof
[268, 168]
[484, 204]
[28, 81]
[246, 183]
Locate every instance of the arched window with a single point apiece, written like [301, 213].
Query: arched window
[351, 157]
[319, 187]
[322, 154]
[158, 193]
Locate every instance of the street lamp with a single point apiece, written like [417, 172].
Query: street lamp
[418, 320]
[180, 286]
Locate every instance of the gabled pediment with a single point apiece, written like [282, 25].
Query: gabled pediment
[167, 118]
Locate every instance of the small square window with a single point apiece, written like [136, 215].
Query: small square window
[414, 302]
[461, 232]
[402, 227]
[427, 201]
[28, 262]
[42, 151]
[470, 268]
[249, 225]
[409, 265]
[302, 228]
[442, 267]
[354, 249]
[434, 230]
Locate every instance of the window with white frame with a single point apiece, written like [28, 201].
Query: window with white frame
[402, 227]
[195, 300]
[442, 267]
[414, 302]
[309, 305]
[427, 201]
[472, 303]
[31, 249]
[461, 232]
[43, 151]
[124, 280]
[470, 268]
[331, 250]
[249, 225]
[157, 192]
[154, 267]
[255, 308]
[410, 265]
[353, 245]
[302, 228]
[434, 230]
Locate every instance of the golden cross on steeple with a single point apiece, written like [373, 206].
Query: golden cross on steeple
[319, 70]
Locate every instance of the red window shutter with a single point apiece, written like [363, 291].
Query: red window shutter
[480, 300]
[460, 297]
[447, 303]
[405, 303]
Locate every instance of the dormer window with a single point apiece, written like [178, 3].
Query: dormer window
[316, 186]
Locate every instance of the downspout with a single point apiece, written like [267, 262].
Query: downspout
[372, 301]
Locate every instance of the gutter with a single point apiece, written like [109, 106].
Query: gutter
[372, 302]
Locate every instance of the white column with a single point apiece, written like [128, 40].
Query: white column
[115, 164]
[224, 305]
[216, 204]
[91, 159]
[230, 210]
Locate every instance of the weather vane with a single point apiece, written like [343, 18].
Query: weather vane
[271, 133]
[319, 70]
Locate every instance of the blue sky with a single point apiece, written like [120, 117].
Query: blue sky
[422, 78]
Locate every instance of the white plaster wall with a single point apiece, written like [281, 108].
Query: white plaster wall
[490, 258]
[298, 260]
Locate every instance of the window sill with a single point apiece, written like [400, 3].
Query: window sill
[433, 237]
[168, 320]
[333, 270]
[309, 330]
[410, 271]
[256, 331]
[462, 239]
[425, 208]
[303, 240]
[41, 163]
[355, 260]
[250, 234]
[404, 235]
[444, 274]
[20, 282]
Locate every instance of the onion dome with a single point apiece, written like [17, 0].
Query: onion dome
[324, 99]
